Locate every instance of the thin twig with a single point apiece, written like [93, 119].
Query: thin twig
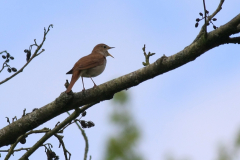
[74, 115]
[2, 67]
[24, 112]
[7, 57]
[208, 19]
[205, 19]
[85, 138]
[11, 150]
[4, 62]
[14, 118]
[8, 120]
[20, 149]
[65, 151]
[33, 56]
[16, 150]
[217, 10]
[147, 56]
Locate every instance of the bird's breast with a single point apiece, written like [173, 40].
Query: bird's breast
[93, 72]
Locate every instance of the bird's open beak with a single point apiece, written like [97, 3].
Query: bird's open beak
[109, 53]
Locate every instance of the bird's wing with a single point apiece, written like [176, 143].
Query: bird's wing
[89, 61]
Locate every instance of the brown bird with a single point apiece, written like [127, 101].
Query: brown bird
[90, 66]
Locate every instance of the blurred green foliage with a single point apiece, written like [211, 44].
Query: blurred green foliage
[230, 152]
[121, 97]
[122, 145]
[170, 156]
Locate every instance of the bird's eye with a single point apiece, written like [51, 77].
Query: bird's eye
[104, 46]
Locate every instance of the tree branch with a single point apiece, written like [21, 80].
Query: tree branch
[8, 57]
[74, 115]
[205, 19]
[105, 91]
[22, 149]
[235, 40]
[208, 19]
[85, 138]
[33, 56]
[65, 151]
[11, 150]
[147, 56]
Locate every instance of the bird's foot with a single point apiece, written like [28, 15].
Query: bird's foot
[69, 93]
[83, 89]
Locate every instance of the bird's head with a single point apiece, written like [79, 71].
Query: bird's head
[103, 49]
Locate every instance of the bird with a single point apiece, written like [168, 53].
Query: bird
[90, 66]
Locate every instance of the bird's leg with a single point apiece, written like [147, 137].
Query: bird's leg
[93, 82]
[83, 84]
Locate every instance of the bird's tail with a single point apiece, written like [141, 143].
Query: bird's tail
[75, 77]
[70, 72]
